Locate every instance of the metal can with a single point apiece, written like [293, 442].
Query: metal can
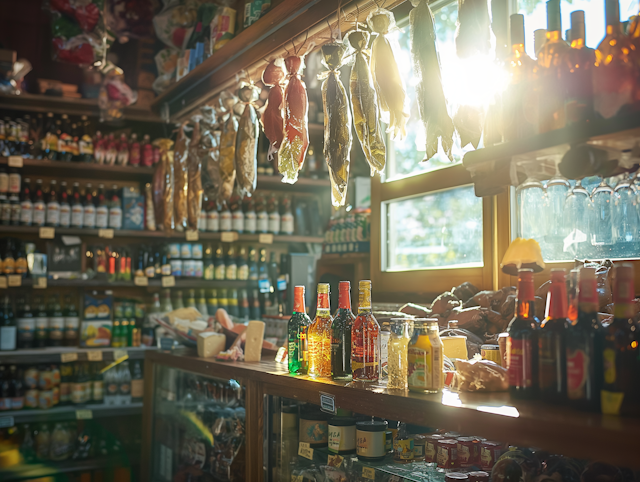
[489, 454]
[466, 452]
[188, 268]
[176, 267]
[196, 251]
[198, 268]
[491, 352]
[185, 251]
[447, 454]
[174, 250]
[431, 448]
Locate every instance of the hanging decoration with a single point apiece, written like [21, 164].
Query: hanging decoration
[272, 120]
[247, 139]
[386, 76]
[432, 104]
[228, 139]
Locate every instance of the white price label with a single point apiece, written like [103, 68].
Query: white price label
[3, 282]
[68, 357]
[94, 355]
[40, 282]
[369, 473]
[120, 354]
[84, 414]
[15, 280]
[229, 237]
[16, 161]
[305, 452]
[47, 233]
[265, 239]
[168, 281]
[141, 281]
[191, 235]
[105, 233]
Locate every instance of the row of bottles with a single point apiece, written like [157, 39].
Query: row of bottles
[13, 256]
[570, 357]
[242, 303]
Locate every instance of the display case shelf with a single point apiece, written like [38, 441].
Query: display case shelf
[187, 283]
[56, 354]
[69, 412]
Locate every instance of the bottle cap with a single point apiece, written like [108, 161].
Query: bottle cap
[577, 25]
[517, 29]
[554, 21]
[323, 288]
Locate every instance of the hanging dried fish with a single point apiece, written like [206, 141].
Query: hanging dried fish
[386, 76]
[472, 33]
[209, 153]
[364, 103]
[247, 142]
[227, 146]
[194, 166]
[181, 179]
[271, 120]
[296, 135]
[432, 104]
[337, 122]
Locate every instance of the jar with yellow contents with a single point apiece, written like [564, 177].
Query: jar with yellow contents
[425, 357]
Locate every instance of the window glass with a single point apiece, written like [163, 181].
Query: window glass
[440, 229]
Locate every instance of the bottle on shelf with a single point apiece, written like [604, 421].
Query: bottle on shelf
[191, 299]
[398, 346]
[73, 143]
[365, 339]
[250, 220]
[237, 216]
[253, 266]
[243, 305]
[14, 210]
[71, 322]
[66, 379]
[231, 268]
[243, 266]
[39, 207]
[298, 330]
[42, 323]
[178, 302]
[26, 326]
[212, 302]
[579, 70]
[320, 336]
[124, 385]
[9, 262]
[213, 217]
[85, 143]
[286, 219]
[123, 151]
[274, 214]
[522, 342]
[255, 312]
[77, 209]
[167, 305]
[102, 210]
[115, 209]
[147, 151]
[225, 218]
[97, 385]
[20, 258]
[5, 210]
[65, 207]
[202, 303]
[8, 326]
[137, 382]
[64, 140]
[262, 218]
[232, 303]
[341, 334]
[56, 321]
[222, 299]
[219, 265]
[89, 208]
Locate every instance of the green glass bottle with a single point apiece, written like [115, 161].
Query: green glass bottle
[298, 330]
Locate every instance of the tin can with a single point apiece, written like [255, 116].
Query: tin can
[174, 250]
[431, 448]
[489, 454]
[196, 250]
[185, 251]
[176, 267]
[188, 268]
[466, 452]
[342, 435]
[447, 454]
[491, 352]
[370, 440]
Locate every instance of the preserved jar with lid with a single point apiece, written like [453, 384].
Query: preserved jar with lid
[478, 476]
[447, 454]
[425, 357]
[466, 452]
[431, 448]
[398, 347]
[313, 427]
[370, 440]
[419, 442]
[342, 435]
[489, 454]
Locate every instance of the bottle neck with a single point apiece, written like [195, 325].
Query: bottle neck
[322, 308]
[298, 303]
[577, 43]
[344, 299]
[554, 36]
[623, 293]
[587, 296]
[364, 305]
[557, 301]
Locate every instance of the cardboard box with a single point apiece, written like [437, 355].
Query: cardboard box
[132, 209]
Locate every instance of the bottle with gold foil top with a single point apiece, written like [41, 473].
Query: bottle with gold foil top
[425, 358]
[614, 73]
[365, 339]
[620, 390]
[578, 73]
[320, 336]
[298, 331]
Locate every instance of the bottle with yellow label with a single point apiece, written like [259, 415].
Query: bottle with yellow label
[425, 357]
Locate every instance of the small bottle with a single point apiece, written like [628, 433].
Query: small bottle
[42, 323]
[8, 327]
[403, 445]
[135, 152]
[225, 218]
[53, 206]
[191, 299]
[212, 302]
[243, 305]
[232, 303]
[365, 339]
[231, 268]
[85, 143]
[237, 216]
[26, 326]
[102, 209]
[123, 151]
[89, 209]
[320, 336]
[124, 386]
[178, 302]
[14, 208]
[137, 382]
[97, 385]
[262, 218]
[286, 219]
[274, 215]
[202, 303]
[298, 328]
[341, 335]
[208, 263]
[222, 299]
[39, 206]
[243, 266]
[250, 220]
[213, 218]
[219, 265]
[147, 151]
[77, 210]
[115, 209]
[65, 207]
[167, 305]
[71, 322]
[56, 321]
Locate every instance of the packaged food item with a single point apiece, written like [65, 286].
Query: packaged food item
[222, 27]
[370, 440]
[342, 435]
[447, 454]
[480, 375]
[489, 454]
[96, 320]
[313, 428]
[181, 179]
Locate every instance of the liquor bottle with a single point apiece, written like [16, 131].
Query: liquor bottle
[167, 305]
[89, 208]
[320, 336]
[620, 389]
[4, 175]
[202, 303]
[97, 385]
[522, 343]
[243, 305]
[135, 153]
[64, 139]
[56, 321]
[124, 385]
[298, 330]
[14, 209]
[255, 313]
[77, 210]
[115, 209]
[65, 207]
[219, 264]
[262, 218]
[73, 143]
[85, 143]
[178, 303]
[191, 299]
[273, 271]
[99, 148]
[212, 303]
[39, 207]
[250, 220]
[231, 268]
[42, 323]
[578, 73]
[264, 284]
[552, 352]
[66, 377]
[222, 299]
[365, 339]
[243, 266]
[5, 210]
[232, 303]
[551, 66]
[213, 217]
[341, 335]
[584, 347]
[253, 266]
[26, 326]
[8, 262]
[71, 322]
[137, 382]
[123, 151]
[8, 327]
[237, 216]
[614, 73]
[102, 210]
[274, 214]
[50, 141]
[225, 217]
[286, 219]
[572, 297]
[53, 206]
[518, 115]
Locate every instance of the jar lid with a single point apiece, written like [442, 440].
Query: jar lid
[455, 477]
[419, 438]
[342, 421]
[372, 426]
[435, 436]
[490, 443]
[489, 347]
[448, 442]
[478, 476]
[466, 439]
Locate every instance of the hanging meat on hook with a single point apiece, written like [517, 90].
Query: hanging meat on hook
[337, 122]
[247, 140]
[181, 179]
[194, 168]
[271, 120]
[209, 153]
[364, 103]
[227, 146]
[386, 75]
[472, 33]
[296, 134]
[432, 104]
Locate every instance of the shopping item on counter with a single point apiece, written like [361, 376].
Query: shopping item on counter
[337, 122]
[271, 120]
[472, 32]
[247, 140]
[364, 103]
[228, 139]
[386, 76]
[180, 179]
[296, 135]
[209, 153]
[480, 376]
[194, 188]
[432, 104]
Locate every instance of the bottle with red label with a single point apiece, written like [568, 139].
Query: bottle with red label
[584, 345]
[147, 151]
[552, 360]
[365, 339]
[298, 330]
[123, 151]
[522, 343]
[620, 393]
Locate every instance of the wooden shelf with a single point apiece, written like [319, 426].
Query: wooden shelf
[53, 354]
[494, 416]
[161, 235]
[103, 172]
[186, 283]
[39, 470]
[64, 105]
[303, 184]
[68, 412]
[491, 169]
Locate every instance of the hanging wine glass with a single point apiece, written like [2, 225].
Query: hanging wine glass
[531, 212]
[602, 227]
[625, 215]
[577, 207]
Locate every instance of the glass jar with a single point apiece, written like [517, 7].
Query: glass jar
[602, 227]
[625, 215]
[557, 189]
[425, 357]
[342, 435]
[577, 207]
[397, 353]
[531, 209]
[370, 440]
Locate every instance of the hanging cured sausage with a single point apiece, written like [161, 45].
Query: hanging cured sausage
[432, 104]
[364, 103]
[247, 140]
[337, 122]
[271, 120]
[227, 146]
[296, 135]
[386, 76]
[209, 153]
[181, 179]
[194, 168]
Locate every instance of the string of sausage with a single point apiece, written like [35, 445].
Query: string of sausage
[271, 120]
[247, 140]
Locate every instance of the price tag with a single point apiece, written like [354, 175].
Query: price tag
[305, 452]
[168, 281]
[3, 282]
[265, 239]
[297, 478]
[304, 445]
[369, 473]
[105, 233]
[47, 233]
[192, 235]
[84, 414]
[142, 281]
[94, 355]
[327, 403]
[14, 280]
[40, 282]
[335, 461]
[68, 357]
[229, 237]
[6, 422]
[120, 354]
[15, 161]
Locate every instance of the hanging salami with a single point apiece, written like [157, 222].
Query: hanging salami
[181, 179]
[227, 146]
[209, 153]
[247, 141]
[271, 120]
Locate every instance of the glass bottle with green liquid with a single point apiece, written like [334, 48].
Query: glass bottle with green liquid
[298, 330]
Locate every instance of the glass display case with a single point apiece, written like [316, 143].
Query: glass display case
[198, 427]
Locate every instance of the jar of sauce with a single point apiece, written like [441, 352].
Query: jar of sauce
[466, 452]
[431, 448]
[489, 454]
[370, 440]
[447, 457]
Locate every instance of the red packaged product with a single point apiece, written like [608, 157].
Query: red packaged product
[489, 454]
[431, 448]
[447, 454]
[466, 452]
